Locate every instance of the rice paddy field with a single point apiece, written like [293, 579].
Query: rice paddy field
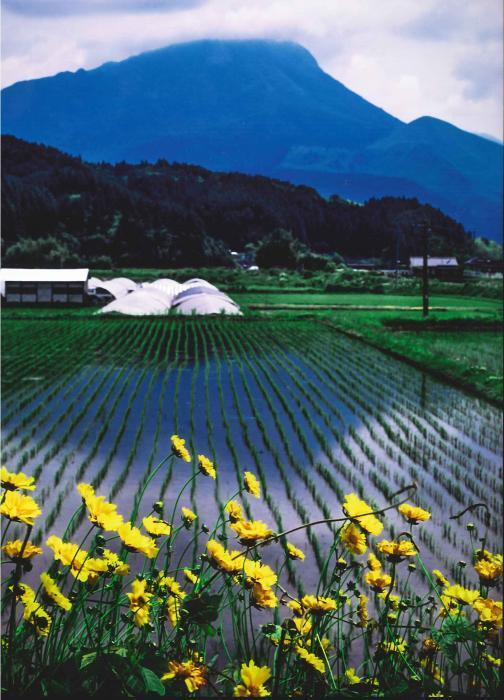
[313, 413]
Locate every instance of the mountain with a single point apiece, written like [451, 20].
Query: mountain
[259, 107]
[57, 209]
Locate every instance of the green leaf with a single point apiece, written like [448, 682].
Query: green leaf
[201, 609]
[272, 632]
[87, 659]
[152, 683]
[461, 629]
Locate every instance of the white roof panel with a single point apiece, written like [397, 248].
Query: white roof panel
[434, 262]
[24, 274]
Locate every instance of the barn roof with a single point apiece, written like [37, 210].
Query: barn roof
[24, 274]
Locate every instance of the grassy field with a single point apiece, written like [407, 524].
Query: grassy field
[299, 300]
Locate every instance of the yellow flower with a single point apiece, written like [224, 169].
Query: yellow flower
[250, 531]
[393, 600]
[101, 513]
[378, 580]
[296, 607]
[114, 564]
[317, 604]
[206, 467]
[139, 602]
[192, 578]
[255, 572]
[252, 484]
[12, 481]
[302, 625]
[70, 555]
[440, 578]
[231, 562]
[354, 539]
[397, 646]
[53, 592]
[492, 660]
[172, 586]
[14, 550]
[461, 595]
[37, 616]
[356, 510]
[133, 540]
[24, 593]
[488, 571]
[430, 647]
[95, 568]
[488, 556]
[413, 514]
[373, 562]
[253, 679]
[449, 606]
[179, 449]
[86, 491]
[22, 509]
[310, 659]
[489, 611]
[351, 677]
[155, 526]
[173, 604]
[397, 551]
[188, 516]
[234, 510]
[263, 597]
[193, 675]
[294, 553]
[362, 611]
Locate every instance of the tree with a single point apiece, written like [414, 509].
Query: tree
[278, 249]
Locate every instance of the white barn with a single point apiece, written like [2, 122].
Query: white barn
[43, 286]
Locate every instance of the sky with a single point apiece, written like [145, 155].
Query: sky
[441, 58]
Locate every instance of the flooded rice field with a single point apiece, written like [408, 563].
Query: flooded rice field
[314, 414]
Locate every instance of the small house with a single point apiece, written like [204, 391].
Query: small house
[42, 286]
[441, 268]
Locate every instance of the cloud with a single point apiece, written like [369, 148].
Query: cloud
[438, 57]
[455, 19]
[481, 74]
[59, 8]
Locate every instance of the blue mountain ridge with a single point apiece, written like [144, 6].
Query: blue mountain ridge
[259, 107]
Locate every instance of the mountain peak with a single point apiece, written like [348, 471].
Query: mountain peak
[257, 106]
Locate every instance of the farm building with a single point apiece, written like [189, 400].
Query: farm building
[39, 286]
[443, 268]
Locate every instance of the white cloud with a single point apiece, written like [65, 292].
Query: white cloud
[438, 57]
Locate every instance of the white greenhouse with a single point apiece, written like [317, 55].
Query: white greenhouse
[194, 297]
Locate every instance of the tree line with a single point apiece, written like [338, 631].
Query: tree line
[59, 210]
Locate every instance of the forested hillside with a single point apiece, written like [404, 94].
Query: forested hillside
[57, 209]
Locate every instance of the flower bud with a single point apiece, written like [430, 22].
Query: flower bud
[470, 526]
[100, 540]
[157, 507]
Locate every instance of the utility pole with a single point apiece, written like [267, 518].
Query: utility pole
[425, 269]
